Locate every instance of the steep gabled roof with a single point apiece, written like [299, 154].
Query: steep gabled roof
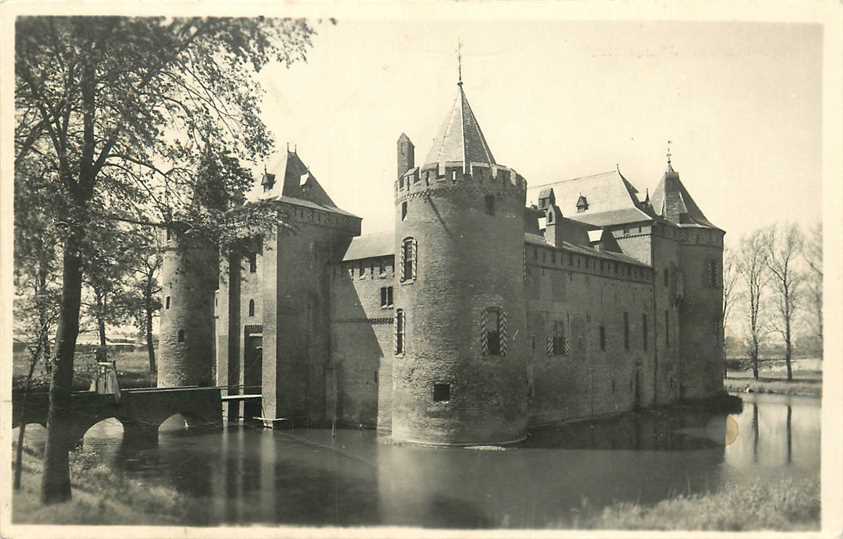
[611, 199]
[460, 137]
[288, 179]
[673, 202]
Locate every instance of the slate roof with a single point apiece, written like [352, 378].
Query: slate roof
[370, 246]
[673, 202]
[294, 184]
[612, 199]
[539, 240]
[460, 138]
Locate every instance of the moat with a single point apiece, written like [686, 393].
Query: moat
[306, 477]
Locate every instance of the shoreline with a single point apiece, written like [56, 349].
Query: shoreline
[774, 386]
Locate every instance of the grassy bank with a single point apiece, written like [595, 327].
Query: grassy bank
[785, 506]
[802, 388]
[100, 497]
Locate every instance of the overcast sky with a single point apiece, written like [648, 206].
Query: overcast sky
[741, 103]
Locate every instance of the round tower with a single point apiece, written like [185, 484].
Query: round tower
[189, 276]
[459, 373]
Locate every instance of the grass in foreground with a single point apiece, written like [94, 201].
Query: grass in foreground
[785, 505]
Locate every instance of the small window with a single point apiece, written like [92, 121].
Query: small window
[603, 338]
[169, 234]
[441, 392]
[582, 204]
[711, 273]
[181, 335]
[399, 331]
[167, 302]
[386, 296]
[666, 276]
[251, 307]
[570, 259]
[626, 331]
[403, 210]
[408, 259]
[493, 332]
[560, 345]
[253, 262]
[644, 336]
[490, 204]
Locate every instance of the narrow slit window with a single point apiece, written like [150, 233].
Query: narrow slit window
[167, 302]
[253, 262]
[626, 330]
[400, 322]
[490, 204]
[251, 307]
[181, 335]
[644, 333]
[666, 327]
[603, 338]
[403, 210]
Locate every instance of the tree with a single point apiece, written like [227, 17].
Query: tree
[752, 267]
[812, 254]
[125, 114]
[784, 247]
[730, 290]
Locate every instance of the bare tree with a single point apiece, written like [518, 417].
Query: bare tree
[730, 290]
[812, 253]
[754, 274]
[784, 247]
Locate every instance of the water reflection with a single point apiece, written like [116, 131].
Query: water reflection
[245, 475]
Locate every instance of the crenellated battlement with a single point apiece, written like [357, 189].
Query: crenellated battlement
[434, 176]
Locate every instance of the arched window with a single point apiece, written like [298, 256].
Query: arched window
[409, 256]
[251, 307]
[181, 335]
[400, 323]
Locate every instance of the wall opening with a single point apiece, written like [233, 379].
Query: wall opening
[490, 204]
[493, 331]
[441, 392]
[403, 210]
[167, 302]
[181, 335]
[603, 338]
[251, 307]
[253, 262]
[399, 331]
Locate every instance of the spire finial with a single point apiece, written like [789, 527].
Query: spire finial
[668, 152]
[459, 61]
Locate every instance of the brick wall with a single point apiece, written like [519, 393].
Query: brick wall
[362, 342]
[572, 290]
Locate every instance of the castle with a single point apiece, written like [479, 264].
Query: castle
[477, 318]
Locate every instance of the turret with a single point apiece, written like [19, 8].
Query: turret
[189, 275]
[406, 154]
[459, 373]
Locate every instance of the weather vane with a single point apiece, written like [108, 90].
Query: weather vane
[459, 60]
[668, 152]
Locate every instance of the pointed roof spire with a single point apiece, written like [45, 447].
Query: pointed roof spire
[460, 138]
[459, 62]
[668, 152]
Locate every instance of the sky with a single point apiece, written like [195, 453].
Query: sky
[741, 103]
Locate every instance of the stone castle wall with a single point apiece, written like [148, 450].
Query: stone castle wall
[362, 341]
[572, 296]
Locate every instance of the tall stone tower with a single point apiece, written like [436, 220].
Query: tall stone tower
[698, 284]
[189, 275]
[459, 373]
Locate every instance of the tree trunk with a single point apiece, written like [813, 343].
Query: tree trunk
[150, 347]
[103, 348]
[755, 358]
[788, 345]
[55, 485]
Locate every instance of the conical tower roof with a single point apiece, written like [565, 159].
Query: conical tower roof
[673, 202]
[460, 137]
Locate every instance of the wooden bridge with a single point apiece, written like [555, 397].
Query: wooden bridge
[141, 411]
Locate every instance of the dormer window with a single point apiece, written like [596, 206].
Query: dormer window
[582, 204]
[268, 182]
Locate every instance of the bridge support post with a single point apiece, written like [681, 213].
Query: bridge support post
[140, 435]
